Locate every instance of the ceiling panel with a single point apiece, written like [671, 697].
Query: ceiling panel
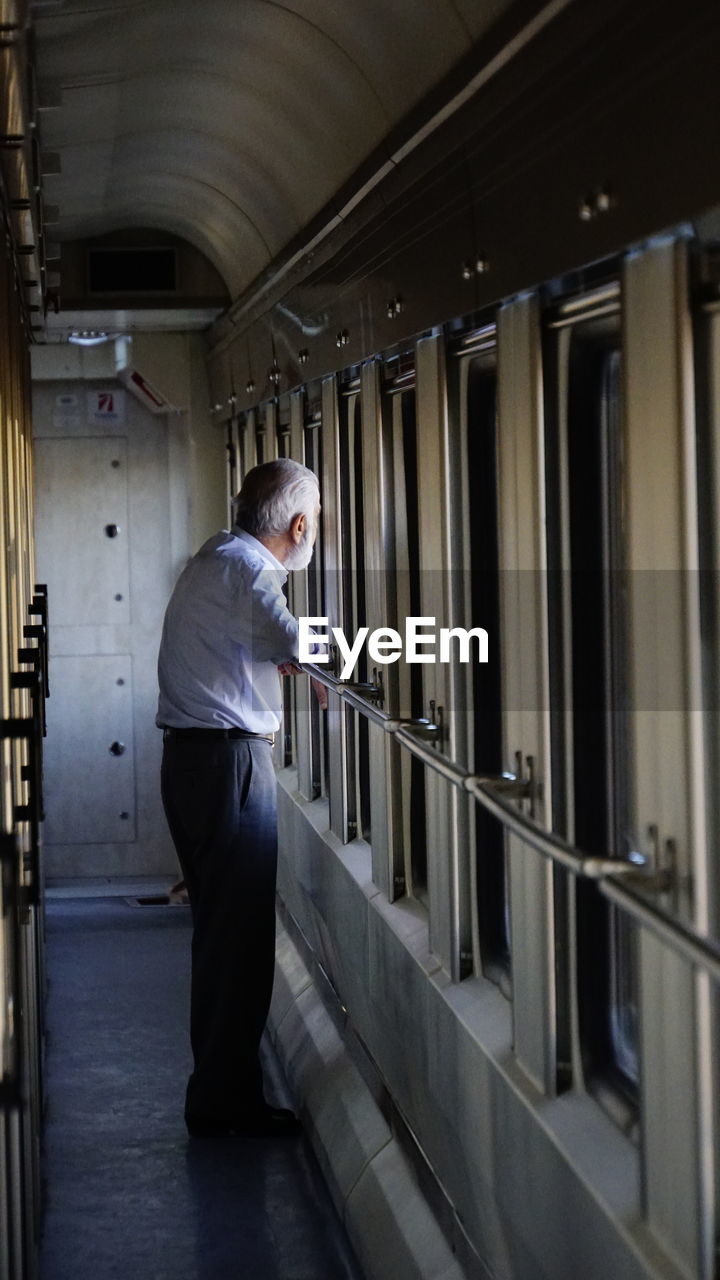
[231, 124]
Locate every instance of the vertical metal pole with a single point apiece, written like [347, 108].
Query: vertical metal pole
[301, 684]
[442, 599]
[337, 713]
[526, 728]
[666, 725]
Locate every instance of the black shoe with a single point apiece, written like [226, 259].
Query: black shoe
[266, 1122]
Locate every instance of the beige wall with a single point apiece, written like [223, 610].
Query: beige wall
[175, 364]
[175, 468]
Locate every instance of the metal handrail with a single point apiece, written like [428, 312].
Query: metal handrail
[611, 874]
[487, 791]
[349, 690]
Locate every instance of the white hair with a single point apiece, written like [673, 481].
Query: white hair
[272, 494]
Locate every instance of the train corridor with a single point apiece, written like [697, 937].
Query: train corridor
[126, 1192]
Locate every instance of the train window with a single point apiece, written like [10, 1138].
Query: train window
[478, 389]
[588, 660]
[283, 442]
[260, 444]
[316, 608]
[232, 458]
[400, 389]
[353, 592]
[288, 730]
[246, 442]
[708, 347]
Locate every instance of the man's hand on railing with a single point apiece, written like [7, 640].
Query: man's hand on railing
[292, 669]
[320, 693]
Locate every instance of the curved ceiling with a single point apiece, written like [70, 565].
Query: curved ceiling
[233, 122]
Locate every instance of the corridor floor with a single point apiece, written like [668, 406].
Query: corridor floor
[127, 1195]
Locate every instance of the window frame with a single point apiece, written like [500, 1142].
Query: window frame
[598, 967]
[474, 363]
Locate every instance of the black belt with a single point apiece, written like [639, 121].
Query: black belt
[209, 734]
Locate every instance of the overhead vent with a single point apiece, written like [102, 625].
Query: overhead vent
[126, 271]
[130, 376]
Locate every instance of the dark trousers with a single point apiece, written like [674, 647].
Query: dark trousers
[220, 801]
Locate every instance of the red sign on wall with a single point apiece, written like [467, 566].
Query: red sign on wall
[106, 407]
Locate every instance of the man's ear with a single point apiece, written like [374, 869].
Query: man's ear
[298, 526]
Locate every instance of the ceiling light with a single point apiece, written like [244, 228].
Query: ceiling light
[88, 337]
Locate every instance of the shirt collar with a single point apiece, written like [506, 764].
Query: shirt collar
[259, 547]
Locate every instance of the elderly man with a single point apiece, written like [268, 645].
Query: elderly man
[226, 636]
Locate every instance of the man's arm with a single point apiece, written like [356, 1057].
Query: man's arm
[260, 619]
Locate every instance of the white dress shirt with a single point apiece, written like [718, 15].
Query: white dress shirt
[226, 629]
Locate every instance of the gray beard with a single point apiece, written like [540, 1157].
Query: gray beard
[301, 555]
